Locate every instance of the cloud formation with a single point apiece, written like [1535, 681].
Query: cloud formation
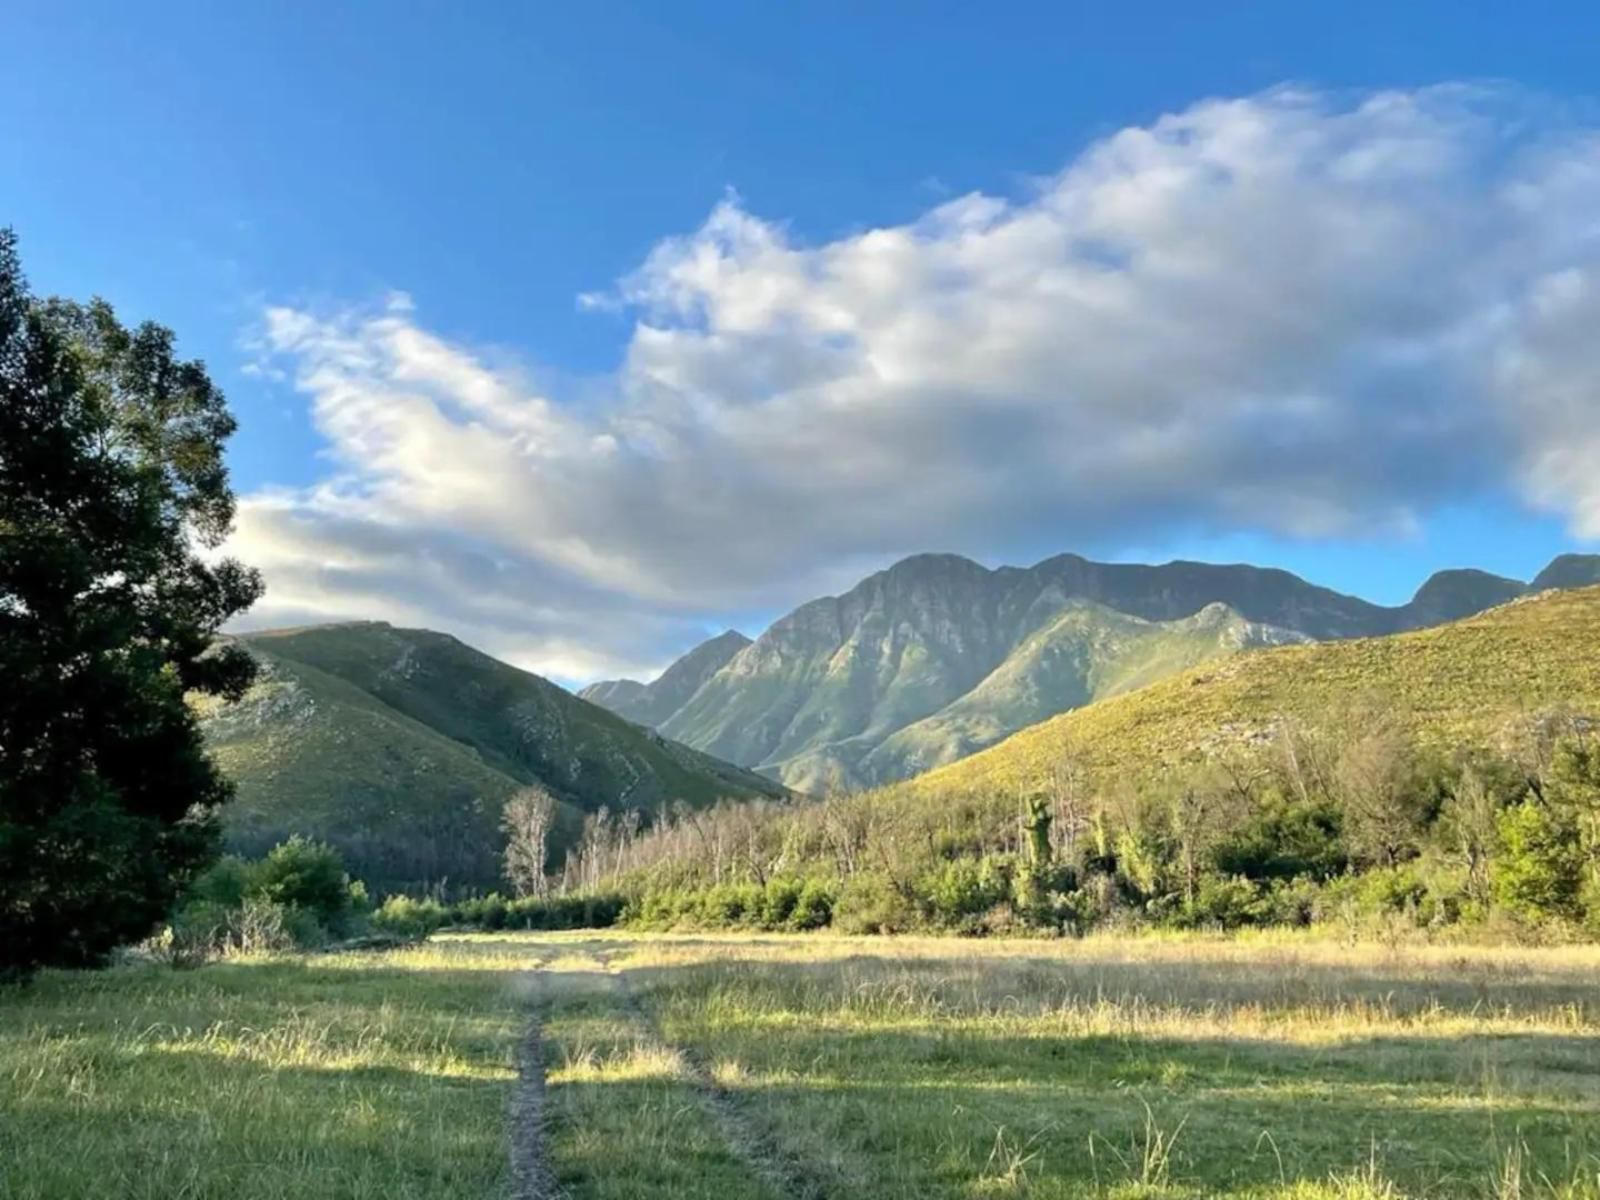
[1292, 313]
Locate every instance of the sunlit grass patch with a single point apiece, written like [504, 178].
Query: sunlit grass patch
[343, 1075]
[1164, 1068]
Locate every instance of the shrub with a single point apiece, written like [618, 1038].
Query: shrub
[813, 908]
[410, 917]
[226, 883]
[778, 901]
[1539, 870]
[304, 875]
[1224, 903]
[956, 894]
[870, 903]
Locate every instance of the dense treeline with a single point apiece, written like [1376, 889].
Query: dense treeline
[1351, 826]
[300, 896]
[1350, 823]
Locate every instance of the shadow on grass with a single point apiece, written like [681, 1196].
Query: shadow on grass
[928, 1102]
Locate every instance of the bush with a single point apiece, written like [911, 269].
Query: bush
[956, 894]
[870, 903]
[1539, 871]
[1224, 903]
[813, 908]
[304, 875]
[225, 883]
[409, 917]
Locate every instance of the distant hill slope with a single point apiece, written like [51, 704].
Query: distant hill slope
[869, 686]
[1472, 682]
[652, 703]
[400, 746]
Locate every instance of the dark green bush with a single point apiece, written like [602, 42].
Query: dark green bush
[306, 876]
[813, 908]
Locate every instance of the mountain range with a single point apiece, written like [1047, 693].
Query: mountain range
[937, 656]
[400, 746]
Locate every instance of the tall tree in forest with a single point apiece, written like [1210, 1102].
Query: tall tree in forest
[113, 492]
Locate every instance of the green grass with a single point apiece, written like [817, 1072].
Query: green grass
[1279, 1068]
[339, 1076]
[1150, 1068]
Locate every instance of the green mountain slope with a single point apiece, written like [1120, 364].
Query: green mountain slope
[823, 697]
[1086, 653]
[400, 746]
[1477, 681]
[652, 703]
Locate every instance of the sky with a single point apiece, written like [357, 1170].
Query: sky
[584, 331]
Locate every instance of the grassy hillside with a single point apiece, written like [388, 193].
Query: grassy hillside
[1473, 681]
[400, 747]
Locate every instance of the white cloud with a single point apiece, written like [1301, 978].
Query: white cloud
[1287, 313]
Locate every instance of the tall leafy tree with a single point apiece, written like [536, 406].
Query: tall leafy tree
[113, 497]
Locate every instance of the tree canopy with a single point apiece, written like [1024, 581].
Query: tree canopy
[114, 499]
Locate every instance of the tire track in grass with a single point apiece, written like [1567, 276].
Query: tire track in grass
[782, 1171]
[531, 1175]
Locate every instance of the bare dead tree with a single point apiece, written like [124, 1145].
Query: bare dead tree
[526, 820]
[1066, 787]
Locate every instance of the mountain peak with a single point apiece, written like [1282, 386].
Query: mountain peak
[651, 703]
[935, 566]
[1569, 571]
[1461, 592]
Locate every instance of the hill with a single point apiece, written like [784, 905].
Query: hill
[914, 666]
[1476, 681]
[652, 703]
[400, 746]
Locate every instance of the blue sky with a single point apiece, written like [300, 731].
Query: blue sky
[265, 179]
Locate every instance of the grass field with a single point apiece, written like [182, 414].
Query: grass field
[734, 1067]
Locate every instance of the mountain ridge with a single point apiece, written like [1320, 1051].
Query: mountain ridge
[814, 697]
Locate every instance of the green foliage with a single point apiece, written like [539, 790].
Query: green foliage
[414, 917]
[298, 895]
[870, 903]
[304, 875]
[1253, 843]
[1539, 871]
[1286, 839]
[112, 480]
[813, 908]
[958, 893]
